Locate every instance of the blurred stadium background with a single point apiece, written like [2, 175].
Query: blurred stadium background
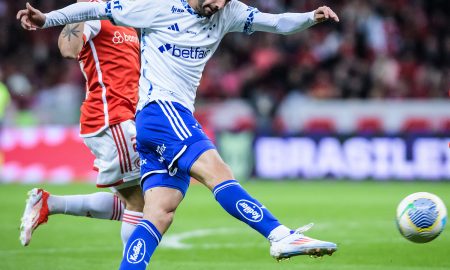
[355, 115]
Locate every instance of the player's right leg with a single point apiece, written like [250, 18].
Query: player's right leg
[117, 163]
[40, 204]
[134, 201]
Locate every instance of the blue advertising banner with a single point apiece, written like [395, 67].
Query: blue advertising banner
[353, 157]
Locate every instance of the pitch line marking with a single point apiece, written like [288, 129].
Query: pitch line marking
[175, 241]
[55, 250]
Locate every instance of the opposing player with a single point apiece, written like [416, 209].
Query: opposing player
[178, 38]
[109, 59]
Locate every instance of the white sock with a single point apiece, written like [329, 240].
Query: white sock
[102, 205]
[279, 233]
[129, 221]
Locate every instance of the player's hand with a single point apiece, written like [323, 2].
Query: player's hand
[30, 18]
[325, 13]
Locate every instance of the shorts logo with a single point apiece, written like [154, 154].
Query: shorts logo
[249, 210]
[137, 162]
[197, 126]
[120, 38]
[143, 162]
[160, 150]
[173, 171]
[136, 251]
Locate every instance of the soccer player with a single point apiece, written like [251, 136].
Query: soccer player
[109, 59]
[178, 37]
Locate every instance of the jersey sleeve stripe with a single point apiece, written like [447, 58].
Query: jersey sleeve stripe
[249, 22]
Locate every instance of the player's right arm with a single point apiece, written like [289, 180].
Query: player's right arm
[32, 18]
[138, 14]
[70, 40]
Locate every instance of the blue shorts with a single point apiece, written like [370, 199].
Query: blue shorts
[169, 140]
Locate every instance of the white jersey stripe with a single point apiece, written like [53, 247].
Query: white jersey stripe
[100, 81]
[179, 118]
[170, 120]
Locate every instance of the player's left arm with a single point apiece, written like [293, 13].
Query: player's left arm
[289, 23]
[70, 40]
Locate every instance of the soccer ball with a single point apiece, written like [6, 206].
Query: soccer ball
[421, 217]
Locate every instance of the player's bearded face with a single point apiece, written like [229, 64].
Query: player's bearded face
[209, 7]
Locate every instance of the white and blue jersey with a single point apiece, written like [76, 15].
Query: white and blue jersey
[176, 43]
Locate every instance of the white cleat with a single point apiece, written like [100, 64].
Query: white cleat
[35, 214]
[298, 244]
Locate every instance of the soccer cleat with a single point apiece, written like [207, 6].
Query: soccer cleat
[298, 244]
[35, 214]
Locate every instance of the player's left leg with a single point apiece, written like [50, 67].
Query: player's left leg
[41, 204]
[210, 170]
[117, 162]
[162, 197]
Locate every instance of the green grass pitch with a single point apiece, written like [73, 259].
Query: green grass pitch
[359, 216]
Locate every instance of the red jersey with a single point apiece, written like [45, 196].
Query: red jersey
[109, 61]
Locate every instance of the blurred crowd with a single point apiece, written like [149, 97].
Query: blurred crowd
[381, 49]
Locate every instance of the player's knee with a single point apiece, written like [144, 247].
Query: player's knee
[135, 205]
[161, 218]
[167, 218]
[224, 172]
[132, 198]
[212, 171]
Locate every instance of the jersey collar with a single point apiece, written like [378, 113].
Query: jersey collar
[190, 9]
